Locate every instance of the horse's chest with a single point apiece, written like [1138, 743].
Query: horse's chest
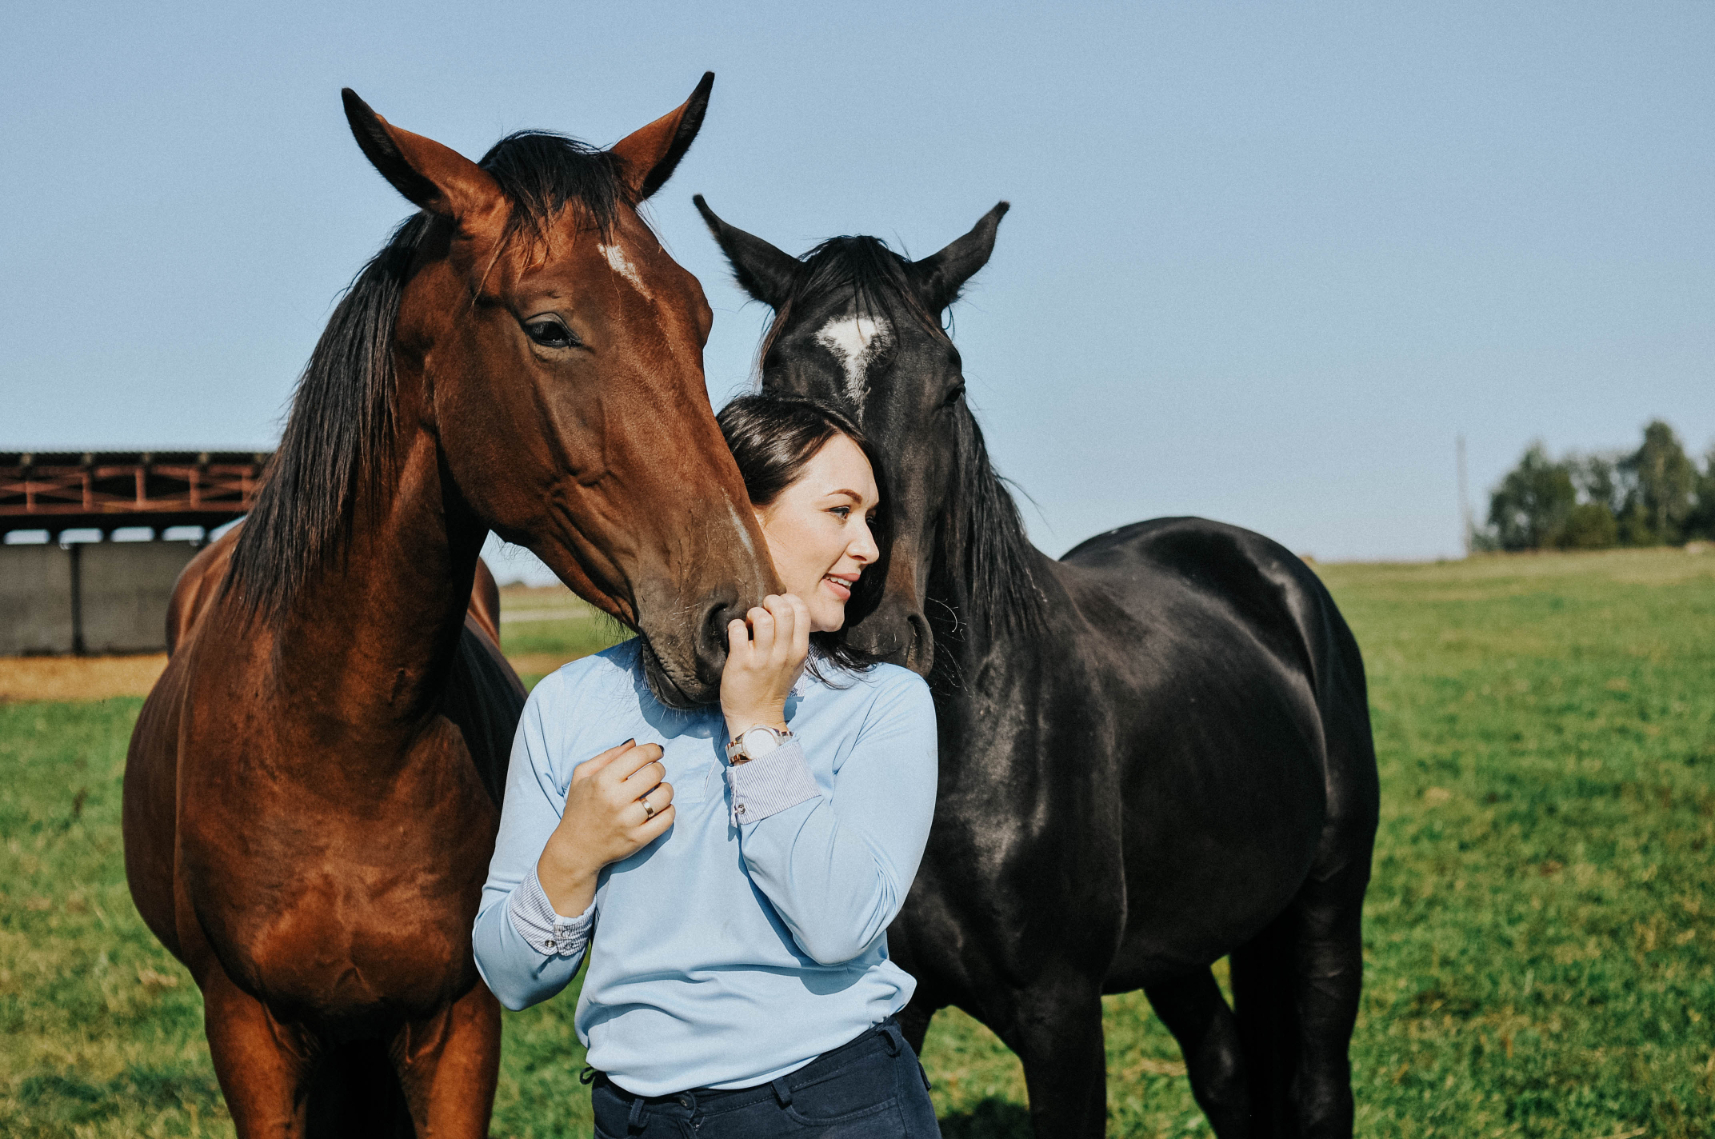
[345, 902]
[354, 938]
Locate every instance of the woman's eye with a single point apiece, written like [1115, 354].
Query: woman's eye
[842, 512]
[551, 332]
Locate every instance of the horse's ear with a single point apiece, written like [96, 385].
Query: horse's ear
[942, 275]
[762, 270]
[649, 154]
[435, 177]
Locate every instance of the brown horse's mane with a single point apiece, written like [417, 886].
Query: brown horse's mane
[990, 544]
[339, 434]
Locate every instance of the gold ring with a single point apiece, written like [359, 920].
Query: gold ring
[648, 811]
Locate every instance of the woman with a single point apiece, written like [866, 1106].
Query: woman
[732, 871]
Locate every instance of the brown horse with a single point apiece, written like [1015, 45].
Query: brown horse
[312, 789]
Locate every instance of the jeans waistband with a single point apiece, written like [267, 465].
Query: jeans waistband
[717, 1099]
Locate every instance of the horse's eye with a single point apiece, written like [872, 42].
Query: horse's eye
[551, 332]
[954, 396]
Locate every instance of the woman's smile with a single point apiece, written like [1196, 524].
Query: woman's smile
[839, 586]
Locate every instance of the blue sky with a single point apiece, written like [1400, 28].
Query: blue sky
[1264, 262]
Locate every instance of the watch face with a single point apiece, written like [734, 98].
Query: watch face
[758, 742]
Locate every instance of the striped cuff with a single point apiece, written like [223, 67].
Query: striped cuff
[533, 916]
[769, 785]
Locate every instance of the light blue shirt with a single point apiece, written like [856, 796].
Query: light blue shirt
[752, 936]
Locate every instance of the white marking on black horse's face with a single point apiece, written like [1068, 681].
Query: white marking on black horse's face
[856, 340]
[622, 265]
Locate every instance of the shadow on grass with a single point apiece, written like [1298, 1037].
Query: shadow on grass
[992, 1118]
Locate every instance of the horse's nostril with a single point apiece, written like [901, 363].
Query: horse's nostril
[711, 643]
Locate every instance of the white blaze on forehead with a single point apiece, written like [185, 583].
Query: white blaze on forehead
[855, 340]
[743, 533]
[622, 265]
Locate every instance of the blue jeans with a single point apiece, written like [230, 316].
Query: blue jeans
[871, 1088]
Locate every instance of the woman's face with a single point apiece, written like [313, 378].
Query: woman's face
[818, 530]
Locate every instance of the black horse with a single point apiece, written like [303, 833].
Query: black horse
[1155, 752]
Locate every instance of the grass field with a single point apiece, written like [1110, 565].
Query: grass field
[1541, 928]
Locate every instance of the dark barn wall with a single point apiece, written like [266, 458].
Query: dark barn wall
[35, 600]
[125, 590]
[97, 597]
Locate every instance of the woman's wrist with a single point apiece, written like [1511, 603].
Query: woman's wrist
[741, 720]
[569, 884]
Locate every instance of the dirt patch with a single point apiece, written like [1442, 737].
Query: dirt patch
[98, 678]
[79, 678]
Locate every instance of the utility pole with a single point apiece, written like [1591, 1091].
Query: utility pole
[1464, 500]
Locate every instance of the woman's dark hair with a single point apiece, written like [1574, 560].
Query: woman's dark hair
[773, 438]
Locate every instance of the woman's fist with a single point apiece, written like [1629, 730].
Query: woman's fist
[765, 657]
[616, 805]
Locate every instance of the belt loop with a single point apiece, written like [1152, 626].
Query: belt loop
[587, 1076]
[634, 1122]
[782, 1092]
[895, 1038]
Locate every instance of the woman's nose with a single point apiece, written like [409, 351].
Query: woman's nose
[863, 548]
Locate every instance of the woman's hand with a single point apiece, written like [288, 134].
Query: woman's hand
[605, 820]
[763, 662]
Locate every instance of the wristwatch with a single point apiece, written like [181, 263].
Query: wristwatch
[754, 743]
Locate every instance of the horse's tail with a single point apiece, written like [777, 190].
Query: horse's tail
[354, 1093]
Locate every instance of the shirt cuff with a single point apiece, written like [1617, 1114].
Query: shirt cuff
[548, 933]
[769, 785]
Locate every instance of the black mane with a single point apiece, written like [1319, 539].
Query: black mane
[999, 561]
[987, 539]
[338, 438]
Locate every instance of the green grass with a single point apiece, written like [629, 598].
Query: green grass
[1540, 933]
[542, 628]
[100, 1029]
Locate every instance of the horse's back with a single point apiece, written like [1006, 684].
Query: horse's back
[1149, 567]
[197, 586]
[1269, 594]
[485, 698]
[1232, 673]
[484, 604]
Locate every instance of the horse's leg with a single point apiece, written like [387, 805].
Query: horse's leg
[261, 1063]
[1328, 982]
[448, 1064]
[1056, 1028]
[1328, 934]
[1264, 976]
[1197, 1015]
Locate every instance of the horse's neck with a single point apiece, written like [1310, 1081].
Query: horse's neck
[370, 639]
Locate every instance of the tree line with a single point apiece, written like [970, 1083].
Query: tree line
[1653, 496]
